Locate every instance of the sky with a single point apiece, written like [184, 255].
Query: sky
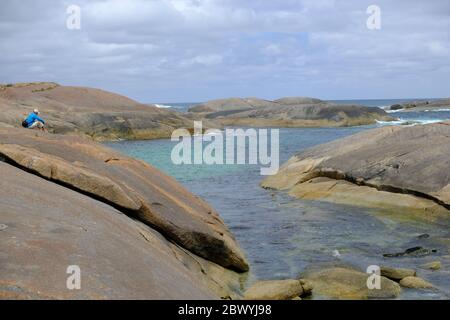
[197, 50]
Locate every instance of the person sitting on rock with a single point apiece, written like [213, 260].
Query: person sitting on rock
[34, 121]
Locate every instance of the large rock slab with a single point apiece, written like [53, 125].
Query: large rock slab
[45, 228]
[388, 167]
[134, 187]
[91, 112]
[286, 112]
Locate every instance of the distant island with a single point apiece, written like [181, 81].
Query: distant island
[287, 113]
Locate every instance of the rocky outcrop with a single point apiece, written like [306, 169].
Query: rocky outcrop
[397, 274]
[389, 168]
[278, 290]
[85, 111]
[134, 232]
[396, 107]
[407, 277]
[423, 105]
[340, 282]
[415, 283]
[286, 112]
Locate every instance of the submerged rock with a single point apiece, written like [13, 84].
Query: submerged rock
[347, 283]
[434, 265]
[391, 168]
[415, 251]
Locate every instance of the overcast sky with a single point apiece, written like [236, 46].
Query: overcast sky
[195, 50]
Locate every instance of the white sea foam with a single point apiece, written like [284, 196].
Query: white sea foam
[386, 109]
[409, 122]
[162, 106]
[436, 110]
[431, 121]
[390, 123]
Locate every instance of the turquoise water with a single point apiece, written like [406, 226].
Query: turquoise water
[282, 236]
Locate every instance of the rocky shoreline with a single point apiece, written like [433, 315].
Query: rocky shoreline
[67, 200]
[104, 116]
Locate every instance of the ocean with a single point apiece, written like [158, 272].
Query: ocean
[282, 236]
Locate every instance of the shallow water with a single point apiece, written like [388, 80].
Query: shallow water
[281, 235]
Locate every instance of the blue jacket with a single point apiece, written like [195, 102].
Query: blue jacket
[32, 118]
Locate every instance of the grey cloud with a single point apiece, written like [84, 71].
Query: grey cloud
[181, 50]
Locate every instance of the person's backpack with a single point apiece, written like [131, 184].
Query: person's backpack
[25, 123]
